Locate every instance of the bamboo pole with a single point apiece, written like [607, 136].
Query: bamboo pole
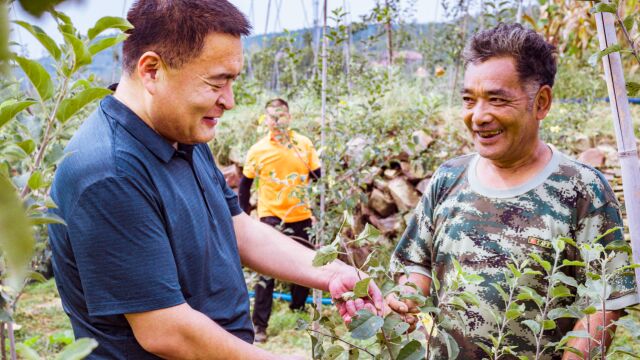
[519, 13]
[627, 148]
[317, 294]
[389, 29]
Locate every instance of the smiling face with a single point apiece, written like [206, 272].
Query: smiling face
[501, 114]
[187, 102]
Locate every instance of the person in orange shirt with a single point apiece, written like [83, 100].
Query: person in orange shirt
[283, 162]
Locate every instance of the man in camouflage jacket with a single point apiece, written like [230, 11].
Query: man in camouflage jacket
[509, 200]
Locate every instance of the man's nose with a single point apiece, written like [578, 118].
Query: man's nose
[480, 113]
[226, 99]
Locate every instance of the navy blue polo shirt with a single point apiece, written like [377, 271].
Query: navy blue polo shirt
[148, 227]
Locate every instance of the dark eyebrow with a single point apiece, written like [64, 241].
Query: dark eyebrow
[491, 92]
[223, 76]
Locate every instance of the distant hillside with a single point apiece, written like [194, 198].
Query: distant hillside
[106, 64]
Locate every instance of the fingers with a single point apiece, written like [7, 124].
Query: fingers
[351, 307]
[376, 296]
[370, 307]
[396, 305]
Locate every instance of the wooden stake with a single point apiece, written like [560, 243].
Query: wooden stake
[627, 148]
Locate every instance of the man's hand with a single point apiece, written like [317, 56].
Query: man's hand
[344, 281]
[407, 309]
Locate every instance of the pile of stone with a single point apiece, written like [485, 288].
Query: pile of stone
[393, 192]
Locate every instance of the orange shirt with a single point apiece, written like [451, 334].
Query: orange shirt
[283, 175]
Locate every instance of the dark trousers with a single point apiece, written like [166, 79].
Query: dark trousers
[264, 288]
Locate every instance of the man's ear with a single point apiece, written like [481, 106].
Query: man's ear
[150, 69]
[542, 102]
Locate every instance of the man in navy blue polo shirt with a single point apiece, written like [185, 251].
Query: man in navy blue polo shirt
[149, 263]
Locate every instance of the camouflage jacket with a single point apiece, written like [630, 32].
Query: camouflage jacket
[483, 228]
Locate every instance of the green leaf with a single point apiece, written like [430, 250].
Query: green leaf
[316, 347]
[607, 233]
[16, 237]
[559, 313]
[81, 83]
[415, 297]
[34, 275]
[565, 279]
[365, 325]
[26, 352]
[369, 232]
[81, 55]
[38, 76]
[529, 271]
[46, 218]
[566, 262]
[549, 324]
[452, 346]
[29, 146]
[361, 289]
[583, 334]
[69, 107]
[9, 109]
[501, 291]
[618, 246]
[514, 270]
[436, 282]
[604, 7]
[106, 43]
[561, 291]
[47, 42]
[633, 88]
[36, 181]
[473, 278]
[394, 325]
[354, 354]
[545, 264]
[628, 22]
[533, 325]
[590, 310]
[413, 350]
[108, 22]
[325, 255]
[13, 153]
[78, 350]
[469, 298]
[569, 241]
[515, 311]
[593, 59]
[301, 324]
[626, 350]
[333, 352]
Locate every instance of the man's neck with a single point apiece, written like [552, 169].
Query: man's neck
[128, 92]
[500, 175]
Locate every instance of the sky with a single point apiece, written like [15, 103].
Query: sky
[293, 14]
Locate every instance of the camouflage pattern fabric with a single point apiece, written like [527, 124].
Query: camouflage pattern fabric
[459, 218]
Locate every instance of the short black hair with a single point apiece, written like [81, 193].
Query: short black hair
[535, 58]
[176, 29]
[277, 102]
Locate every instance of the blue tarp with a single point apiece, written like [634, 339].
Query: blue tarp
[287, 297]
[579, 101]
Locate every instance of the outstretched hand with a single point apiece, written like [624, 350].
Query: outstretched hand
[343, 282]
[407, 309]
